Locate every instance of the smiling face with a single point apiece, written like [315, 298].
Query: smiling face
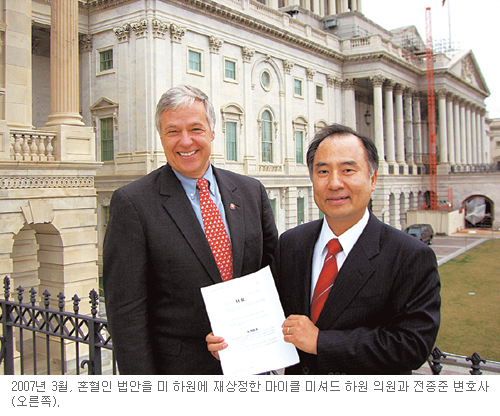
[186, 139]
[341, 181]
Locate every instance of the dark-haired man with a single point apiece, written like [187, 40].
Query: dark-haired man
[371, 304]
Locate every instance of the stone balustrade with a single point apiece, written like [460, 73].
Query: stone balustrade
[32, 145]
[369, 44]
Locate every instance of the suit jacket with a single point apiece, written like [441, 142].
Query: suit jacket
[382, 313]
[156, 258]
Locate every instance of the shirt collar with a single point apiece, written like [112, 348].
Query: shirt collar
[347, 239]
[189, 184]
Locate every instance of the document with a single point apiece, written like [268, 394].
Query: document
[248, 314]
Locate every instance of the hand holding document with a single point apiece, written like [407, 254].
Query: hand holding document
[248, 314]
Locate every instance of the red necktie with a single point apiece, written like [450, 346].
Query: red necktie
[216, 232]
[326, 278]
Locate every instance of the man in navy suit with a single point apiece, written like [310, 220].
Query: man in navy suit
[156, 254]
[381, 313]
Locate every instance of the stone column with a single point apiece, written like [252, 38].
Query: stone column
[468, 137]
[408, 116]
[395, 209]
[485, 138]
[350, 103]
[457, 138]
[75, 142]
[16, 69]
[389, 124]
[378, 121]
[480, 144]
[480, 153]
[332, 7]
[64, 64]
[400, 132]
[338, 100]
[218, 145]
[176, 34]
[331, 98]
[417, 129]
[344, 6]
[463, 134]
[474, 146]
[443, 134]
[450, 132]
[314, 6]
[289, 139]
[250, 157]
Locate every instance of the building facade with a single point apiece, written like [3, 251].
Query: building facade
[74, 130]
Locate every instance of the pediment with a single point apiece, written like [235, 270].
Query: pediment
[103, 103]
[464, 65]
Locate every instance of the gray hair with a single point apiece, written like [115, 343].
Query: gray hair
[180, 96]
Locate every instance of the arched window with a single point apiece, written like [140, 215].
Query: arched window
[267, 136]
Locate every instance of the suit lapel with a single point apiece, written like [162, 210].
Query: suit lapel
[233, 209]
[180, 210]
[355, 272]
[303, 266]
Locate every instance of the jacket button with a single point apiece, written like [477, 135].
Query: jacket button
[305, 370]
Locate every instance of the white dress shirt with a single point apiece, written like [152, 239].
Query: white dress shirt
[346, 240]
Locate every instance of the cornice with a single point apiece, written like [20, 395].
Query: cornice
[224, 13]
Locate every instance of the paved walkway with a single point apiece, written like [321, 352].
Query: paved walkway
[449, 247]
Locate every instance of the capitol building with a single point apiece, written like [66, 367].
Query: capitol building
[80, 79]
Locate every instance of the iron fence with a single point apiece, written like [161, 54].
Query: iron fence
[48, 338]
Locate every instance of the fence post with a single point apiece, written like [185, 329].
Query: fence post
[94, 350]
[436, 366]
[8, 331]
[476, 361]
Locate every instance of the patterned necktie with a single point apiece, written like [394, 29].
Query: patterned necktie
[216, 232]
[326, 278]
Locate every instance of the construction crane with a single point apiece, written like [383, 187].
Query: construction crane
[431, 107]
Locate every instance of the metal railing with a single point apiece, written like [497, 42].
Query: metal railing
[48, 339]
[437, 356]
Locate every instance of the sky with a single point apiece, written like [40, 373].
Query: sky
[474, 25]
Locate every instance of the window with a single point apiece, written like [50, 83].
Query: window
[498, 145]
[273, 207]
[299, 146]
[300, 211]
[229, 70]
[231, 141]
[300, 127]
[105, 218]
[194, 61]
[267, 136]
[106, 60]
[319, 93]
[232, 121]
[297, 87]
[265, 80]
[107, 151]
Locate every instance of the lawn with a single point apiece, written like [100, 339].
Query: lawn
[470, 310]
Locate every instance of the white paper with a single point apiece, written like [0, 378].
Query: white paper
[247, 313]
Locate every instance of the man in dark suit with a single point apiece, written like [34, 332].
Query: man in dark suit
[156, 253]
[381, 311]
